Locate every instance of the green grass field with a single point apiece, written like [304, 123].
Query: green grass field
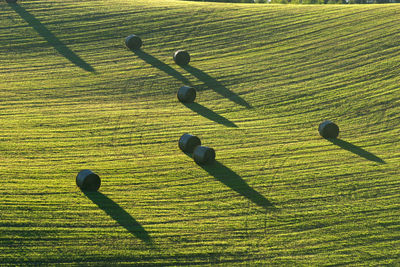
[73, 97]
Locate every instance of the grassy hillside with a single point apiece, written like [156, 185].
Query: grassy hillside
[72, 97]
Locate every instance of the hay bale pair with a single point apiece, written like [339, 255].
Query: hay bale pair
[201, 154]
[133, 42]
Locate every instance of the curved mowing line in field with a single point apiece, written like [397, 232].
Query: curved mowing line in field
[279, 194]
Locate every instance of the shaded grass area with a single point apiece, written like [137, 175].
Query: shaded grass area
[266, 76]
[215, 85]
[53, 40]
[231, 179]
[356, 150]
[161, 65]
[209, 114]
[119, 215]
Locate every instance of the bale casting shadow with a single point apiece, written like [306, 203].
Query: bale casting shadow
[216, 86]
[236, 183]
[356, 150]
[155, 62]
[119, 215]
[51, 38]
[209, 114]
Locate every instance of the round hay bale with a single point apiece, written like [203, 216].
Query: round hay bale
[11, 1]
[181, 57]
[328, 129]
[88, 180]
[186, 94]
[204, 155]
[133, 42]
[188, 142]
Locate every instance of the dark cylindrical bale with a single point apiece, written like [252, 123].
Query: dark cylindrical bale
[181, 57]
[186, 94]
[11, 1]
[328, 129]
[188, 142]
[133, 42]
[204, 155]
[88, 180]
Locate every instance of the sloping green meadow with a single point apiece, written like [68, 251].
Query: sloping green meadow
[73, 97]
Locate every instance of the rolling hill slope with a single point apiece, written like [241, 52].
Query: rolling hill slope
[73, 97]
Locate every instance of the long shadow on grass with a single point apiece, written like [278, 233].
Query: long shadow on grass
[236, 183]
[356, 150]
[51, 38]
[209, 114]
[119, 215]
[155, 62]
[215, 85]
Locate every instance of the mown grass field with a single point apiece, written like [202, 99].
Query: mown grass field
[73, 97]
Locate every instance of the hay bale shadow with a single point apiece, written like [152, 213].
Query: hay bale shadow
[117, 213]
[155, 62]
[231, 179]
[215, 85]
[209, 114]
[356, 150]
[51, 38]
